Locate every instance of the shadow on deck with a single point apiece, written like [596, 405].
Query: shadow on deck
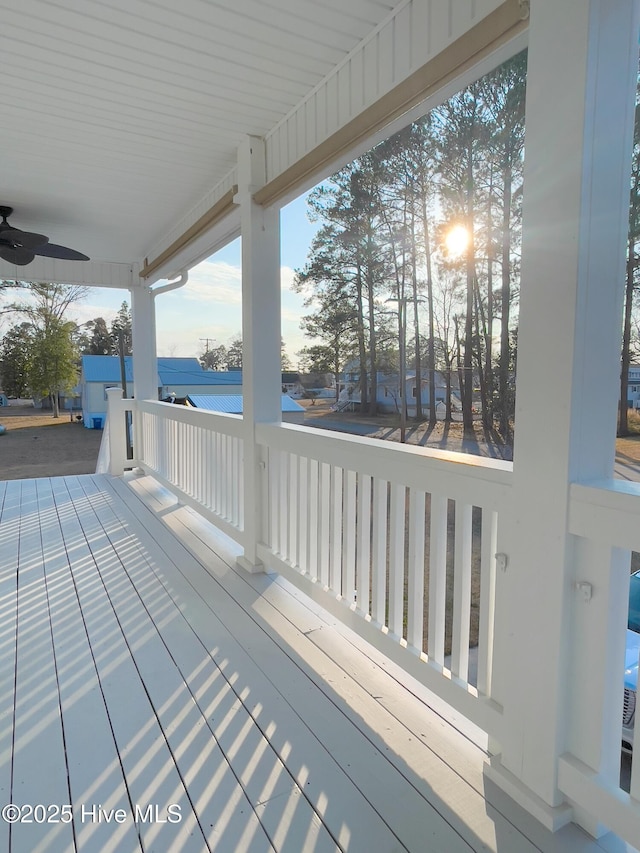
[155, 698]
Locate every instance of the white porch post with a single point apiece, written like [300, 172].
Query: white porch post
[261, 334]
[145, 369]
[579, 123]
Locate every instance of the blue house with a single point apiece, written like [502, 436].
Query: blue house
[176, 376]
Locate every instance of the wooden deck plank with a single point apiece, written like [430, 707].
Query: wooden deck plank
[216, 795]
[95, 772]
[284, 810]
[9, 545]
[39, 761]
[149, 768]
[412, 819]
[316, 766]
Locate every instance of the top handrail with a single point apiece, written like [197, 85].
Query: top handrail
[479, 480]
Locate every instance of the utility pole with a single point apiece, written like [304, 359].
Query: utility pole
[206, 342]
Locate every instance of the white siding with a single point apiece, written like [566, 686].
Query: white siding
[415, 32]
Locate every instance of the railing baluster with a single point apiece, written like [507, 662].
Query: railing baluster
[233, 464]
[363, 566]
[220, 475]
[293, 506]
[461, 592]
[379, 587]
[274, 496]
[211, 470]
[186, 440]
[489, 539]
[314, 518]
[437, 578]
[239, 450]
[415, 592]
[335, 536]
[284, 504]
[224, 494]
[231, 484]
[237, 480]
[302, 556]
[325, 515]
[349, 538]
[396, 559]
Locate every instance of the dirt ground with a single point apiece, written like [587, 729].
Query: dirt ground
[443, 436]
[38, 445]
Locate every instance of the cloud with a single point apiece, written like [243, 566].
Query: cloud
[287, 276]
[213, 281]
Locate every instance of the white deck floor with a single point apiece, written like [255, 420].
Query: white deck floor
[138, 673]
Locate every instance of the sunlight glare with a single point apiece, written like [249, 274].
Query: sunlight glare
[457, 241]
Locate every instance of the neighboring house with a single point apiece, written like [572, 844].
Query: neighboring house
[291, 384]
[388, 392]
[176, 377]
[182, 382]
[633, 387]
[232, 404]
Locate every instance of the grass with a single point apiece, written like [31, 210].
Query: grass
[633, 421]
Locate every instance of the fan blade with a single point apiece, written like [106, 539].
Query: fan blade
[20, 257]
[26, 239]
[51, 250]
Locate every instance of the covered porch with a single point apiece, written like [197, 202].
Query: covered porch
[326, 734]
[170, 701]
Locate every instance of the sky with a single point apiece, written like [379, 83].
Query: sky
[209, 305]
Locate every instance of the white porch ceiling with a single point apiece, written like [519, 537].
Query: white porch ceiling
[117, 118]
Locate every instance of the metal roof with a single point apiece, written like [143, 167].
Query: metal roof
[105, 368]
[199, 377]
[181, 371]
[232, 404]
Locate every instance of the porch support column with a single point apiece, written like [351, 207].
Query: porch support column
[583, 58]
[261, 333]
[145, 368]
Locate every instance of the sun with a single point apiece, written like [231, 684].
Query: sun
[457, 241]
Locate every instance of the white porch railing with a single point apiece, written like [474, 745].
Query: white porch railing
[375, 530]
[198, 455]
[604, 520]
[400, 543]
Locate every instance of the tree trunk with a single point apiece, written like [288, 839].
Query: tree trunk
[431, 350]
[448, 414]
[488, 346]
[373, 338]
[481, 334]
[362, 350]
[623, 425]
[458, 357]
[416, 322]
[505, 350]
[467, 400]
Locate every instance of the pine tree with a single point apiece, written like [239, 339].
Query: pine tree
[121, 331]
